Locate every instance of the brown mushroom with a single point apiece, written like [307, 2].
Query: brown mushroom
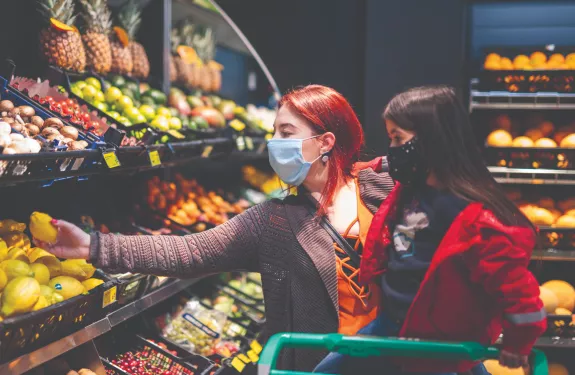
[26, 111]
[15, 111]
[53, 122]
[17, 127]
[47, 132]
[77, 145]
[37, 120]
[69, 132]
[6, 106]
[32, 129]
[67, 140]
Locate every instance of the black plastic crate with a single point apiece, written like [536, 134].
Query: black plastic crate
[531, 157]
[132, 288]
[560, 325]
[24, 333]
[557, 238]
[139, 156]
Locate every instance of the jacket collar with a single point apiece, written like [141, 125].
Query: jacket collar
[317, 243]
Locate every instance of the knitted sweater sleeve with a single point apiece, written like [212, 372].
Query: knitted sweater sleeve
[231, 246]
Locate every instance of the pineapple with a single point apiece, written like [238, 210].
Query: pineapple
[204, 43]
[60, 42]
[98, 22]
[130, 20]
[121, 57]
[191, 70]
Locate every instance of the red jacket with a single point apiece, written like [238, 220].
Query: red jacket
[477, 284]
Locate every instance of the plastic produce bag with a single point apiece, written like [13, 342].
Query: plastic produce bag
[196, 328]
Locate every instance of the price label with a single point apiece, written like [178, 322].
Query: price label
[109, 297]
[238, 364]
[207, 151]
[241, 143]
[256, 347]
[244, 358]
[249, 143]
[154, 158]
[253, 356]
[111, 159]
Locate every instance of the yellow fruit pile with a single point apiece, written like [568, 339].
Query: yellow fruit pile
[30, 277]
[536, 61]
[558, 297]
[547, 212]
[494, 368]
[544, 135]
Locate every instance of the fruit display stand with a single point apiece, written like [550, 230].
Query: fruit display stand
[521, 107]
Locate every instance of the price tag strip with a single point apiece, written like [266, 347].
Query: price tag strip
[207, 151]
[109, 296]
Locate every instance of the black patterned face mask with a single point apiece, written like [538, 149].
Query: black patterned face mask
[406, 164]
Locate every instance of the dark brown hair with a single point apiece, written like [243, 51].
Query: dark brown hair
[449, 147]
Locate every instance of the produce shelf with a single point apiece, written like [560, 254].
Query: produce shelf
[508, 100]
[554, 255]
[506, 175]
[29, 361]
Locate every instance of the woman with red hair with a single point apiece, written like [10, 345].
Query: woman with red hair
[306, 246]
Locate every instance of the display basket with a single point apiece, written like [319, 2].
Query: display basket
[531, 158]
[358, 346]
[527, 81]
[200, 363]
[114, 346]
[131, 287]
[24, 333]
[140, 156]
[557, 238]
[202, 148]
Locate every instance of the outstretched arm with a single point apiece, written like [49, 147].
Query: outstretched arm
[230, 246]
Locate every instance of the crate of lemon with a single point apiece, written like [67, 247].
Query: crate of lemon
[42, 297]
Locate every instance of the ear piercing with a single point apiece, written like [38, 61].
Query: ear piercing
[325, 158]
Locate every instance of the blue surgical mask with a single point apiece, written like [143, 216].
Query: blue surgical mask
[286, 159]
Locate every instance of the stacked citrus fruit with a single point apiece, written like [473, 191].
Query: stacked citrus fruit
[30, 277]
[536, 61]
[543, 135]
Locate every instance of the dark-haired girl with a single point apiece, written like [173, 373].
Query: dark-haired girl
[451, 251]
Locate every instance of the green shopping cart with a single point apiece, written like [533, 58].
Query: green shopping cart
[362, 346]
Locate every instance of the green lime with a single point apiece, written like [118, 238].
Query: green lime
[100, 97]
[175, 123]
[79, 84]
[94, 82]
[89, 93]
[115, 115]
[107, 85]
[140, 119]
[124, 102]
[118, 81]
[124, 120]
[148, 112]
[77, 91]
[131, 113]
[101, 106]
[113, 94]
[161, 123]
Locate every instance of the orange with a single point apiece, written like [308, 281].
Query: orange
[493, 57]
[534, 134]
[538, 65]
[570, 57]
[545, 142]
[538, 58]
[565, 221]
[492, 65]
[571, 64]
[556, 214]
[571, 212]
[546, 202]
[520, 61]
[560, 135]
[564, 66]
[554, 65]
[557, 57]
[568, 141]
[503, 122]
[540, 216]
[546, 127]
[522, 142]
[506, 64]
[499, 138]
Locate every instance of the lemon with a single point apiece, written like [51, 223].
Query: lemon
[92, 283]
[41, 273]
[86, 267]
[3, 250]
[17, 254]
[41, 227]
[3, 280]
[69, 268]
[40, 304]
[38, 255]
[16, 268]
[19, 296]
[50, 295]
[67, 286]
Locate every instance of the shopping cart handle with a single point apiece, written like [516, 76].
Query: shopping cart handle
[365, 346]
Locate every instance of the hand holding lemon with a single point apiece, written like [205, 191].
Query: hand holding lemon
[63, 239]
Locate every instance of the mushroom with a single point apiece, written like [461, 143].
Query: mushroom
[57, 137]
[77, 145]
[17, 127]
[53, 122]
[33, 145]
[5, 128]
[15, 111]
[33, 129]
[67, 140]
[37, 120]
[47, 132]
[26, 111]
[6, 106]
[69, 132]
[16, 137]
[7, 119]
[5, 140]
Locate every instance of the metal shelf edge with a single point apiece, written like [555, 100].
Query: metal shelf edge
[36, 358]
